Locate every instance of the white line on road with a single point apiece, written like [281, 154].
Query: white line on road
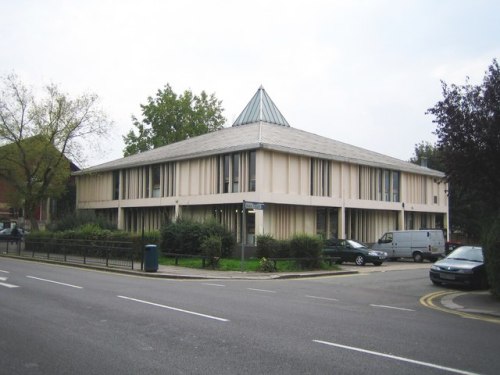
[174, 309]
[323, 298]
[212, 284]
[4, 271]
[55, 282]
[403, 359]
[262, 290]
[7, 285]
[391, 307]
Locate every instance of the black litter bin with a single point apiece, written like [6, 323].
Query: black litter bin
[150, 258]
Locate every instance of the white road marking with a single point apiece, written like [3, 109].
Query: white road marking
[212, 284]
[262, 290]
[391, 307]
[174, 309]
[54, 282]
[403, 359]
[4, 271]
[323, 298]
[7, 285]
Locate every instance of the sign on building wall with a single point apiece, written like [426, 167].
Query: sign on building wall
[253, 205]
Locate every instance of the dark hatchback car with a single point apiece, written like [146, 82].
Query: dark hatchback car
[12, 234]
[464, 266]
[352, 251]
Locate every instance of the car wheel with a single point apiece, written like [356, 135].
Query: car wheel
[360, 260]
[377, 263]
[417, 257]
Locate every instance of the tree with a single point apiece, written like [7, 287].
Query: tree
[461, 211]
[468, 130]
[169, 118]
[39, 136]
[431, 154]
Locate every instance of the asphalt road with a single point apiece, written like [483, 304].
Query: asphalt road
[63, 320]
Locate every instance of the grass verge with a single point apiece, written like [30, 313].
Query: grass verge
[251, 265]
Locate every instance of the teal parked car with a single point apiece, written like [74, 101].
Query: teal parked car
[352, 251]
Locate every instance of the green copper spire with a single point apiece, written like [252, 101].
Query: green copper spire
[261, 108]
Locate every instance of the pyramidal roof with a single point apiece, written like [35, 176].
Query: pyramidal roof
[261, 109]
[260, 118]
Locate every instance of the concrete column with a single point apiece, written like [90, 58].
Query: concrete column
[401, 217]
[121, 218]
[259, 222]
[342, 232]
[178, 211]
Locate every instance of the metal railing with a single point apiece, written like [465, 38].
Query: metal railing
[91, 252]
[205, 259]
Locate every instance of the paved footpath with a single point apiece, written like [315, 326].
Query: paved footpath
[207, 273]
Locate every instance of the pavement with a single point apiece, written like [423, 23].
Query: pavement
[463, 302]
[472, 302]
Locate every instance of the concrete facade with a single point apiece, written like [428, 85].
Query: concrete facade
[308, 184]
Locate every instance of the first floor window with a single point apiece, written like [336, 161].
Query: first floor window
[227, 161]
[116, 185]
[236, 172]
[395, 186]
[156, 181]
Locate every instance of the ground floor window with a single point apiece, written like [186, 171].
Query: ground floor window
[250, 227]
[149, 219]
[327, 222]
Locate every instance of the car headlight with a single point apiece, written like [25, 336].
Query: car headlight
[435, 268]
[373, 253]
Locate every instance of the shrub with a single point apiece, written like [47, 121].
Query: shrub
[211, 247]
[186, 237]
[78, 219]
[282, 249]
[266, 265]
[269, 247]
[307, 246]
[266, 246]
[228, 242]
[180, 237]
[491, 250]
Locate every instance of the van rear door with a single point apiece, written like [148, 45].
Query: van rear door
[436, 242]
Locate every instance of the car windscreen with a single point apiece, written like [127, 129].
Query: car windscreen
[355, 245]
[468, 253]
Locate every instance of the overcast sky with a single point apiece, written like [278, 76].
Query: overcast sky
[361, 72]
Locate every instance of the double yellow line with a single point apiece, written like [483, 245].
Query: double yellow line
[428, 301]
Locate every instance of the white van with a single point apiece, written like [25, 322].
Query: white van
[416, 244]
